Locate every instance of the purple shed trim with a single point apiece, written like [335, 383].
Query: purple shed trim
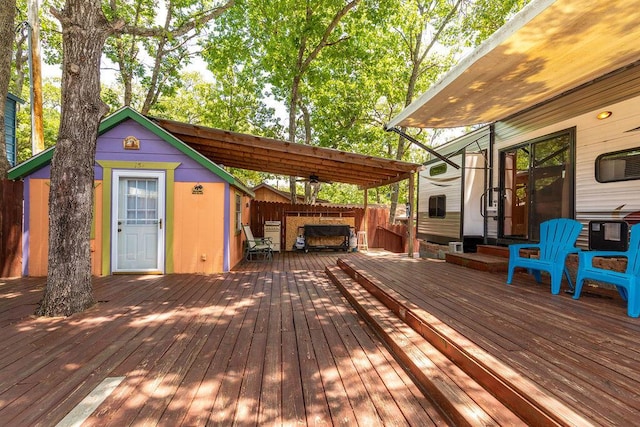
[25, 226]
[227, 233]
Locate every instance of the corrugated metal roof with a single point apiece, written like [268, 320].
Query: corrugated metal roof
[549, 48]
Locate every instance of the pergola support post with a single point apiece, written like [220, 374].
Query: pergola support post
[365, 220]
[410, 225]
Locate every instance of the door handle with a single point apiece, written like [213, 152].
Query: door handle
[160, 223]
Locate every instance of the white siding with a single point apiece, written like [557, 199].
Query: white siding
[594, 137]
[448, 184]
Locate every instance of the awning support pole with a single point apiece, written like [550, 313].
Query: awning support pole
[421, 145]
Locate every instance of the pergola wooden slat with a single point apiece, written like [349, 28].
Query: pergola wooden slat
[279, 157]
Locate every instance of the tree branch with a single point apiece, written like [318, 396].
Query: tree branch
[440, 30]
[327, 33]
[180, 30]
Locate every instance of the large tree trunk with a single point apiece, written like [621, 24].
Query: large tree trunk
[7, 16]
[69, 288]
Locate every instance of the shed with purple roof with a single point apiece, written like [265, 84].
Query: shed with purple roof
[160, 207]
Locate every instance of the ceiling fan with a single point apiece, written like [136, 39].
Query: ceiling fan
[314, 180]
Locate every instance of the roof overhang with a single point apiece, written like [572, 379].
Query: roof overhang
[548, 48]
[243, 151]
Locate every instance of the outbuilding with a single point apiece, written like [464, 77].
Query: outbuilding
[160, 206]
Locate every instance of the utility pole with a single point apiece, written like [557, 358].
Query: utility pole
[35, 62]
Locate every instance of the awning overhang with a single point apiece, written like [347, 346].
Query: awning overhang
[548, 48]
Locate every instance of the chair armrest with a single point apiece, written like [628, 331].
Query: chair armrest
[262, 241]
[574, 251]
[514, 249]
[519, 246]
[588, 256]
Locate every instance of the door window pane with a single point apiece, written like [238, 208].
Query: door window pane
[140, 204]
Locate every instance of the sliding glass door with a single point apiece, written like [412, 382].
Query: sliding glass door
[537, 184]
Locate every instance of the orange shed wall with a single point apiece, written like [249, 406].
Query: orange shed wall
[39, 228]
[198, 228]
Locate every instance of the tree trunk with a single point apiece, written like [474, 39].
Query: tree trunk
[20, 58]
[69, 289]
[292, 132]
[7, 16]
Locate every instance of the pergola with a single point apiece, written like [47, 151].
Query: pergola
[279, 157]
[243, 151]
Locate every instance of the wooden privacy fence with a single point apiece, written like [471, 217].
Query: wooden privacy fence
[262, 211]
[10, 228]
[393, 238]
[380, 234]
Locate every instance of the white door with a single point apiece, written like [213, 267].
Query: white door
[137, 228]
[474, 187]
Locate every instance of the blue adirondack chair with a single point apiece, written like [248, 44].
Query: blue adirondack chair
[557, 240]
[627, 282]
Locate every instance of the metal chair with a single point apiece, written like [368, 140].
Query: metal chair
[260, 246]
[557, 240]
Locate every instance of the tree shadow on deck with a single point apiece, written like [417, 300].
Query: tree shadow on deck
[250, 347]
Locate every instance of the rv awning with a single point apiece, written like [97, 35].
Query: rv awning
[548, 48]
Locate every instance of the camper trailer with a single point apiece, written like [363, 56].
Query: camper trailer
[451, 194]
[584, 164]
[561, 100]
[530, 168]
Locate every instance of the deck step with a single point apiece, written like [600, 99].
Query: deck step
[499, 251]
[479, 261]
[516, 394]
[460, 397]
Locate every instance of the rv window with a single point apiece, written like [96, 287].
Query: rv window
[437, 206]
[618, 166]
[438, 169]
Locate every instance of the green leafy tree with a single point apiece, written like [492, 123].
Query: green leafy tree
[485, 17]
[233, 101]
[421, 42]
[7, 17]
[154, 57]
[425, 39]
[286, 38]
[50, 40]
[51, 109]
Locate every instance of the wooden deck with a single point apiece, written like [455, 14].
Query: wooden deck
[577, 357]
[249, 347]
[276, 343]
